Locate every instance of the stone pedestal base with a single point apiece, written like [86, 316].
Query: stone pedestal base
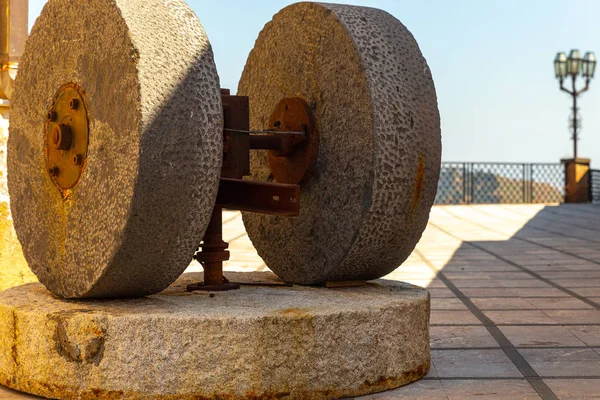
[577, 180]
[254, 343]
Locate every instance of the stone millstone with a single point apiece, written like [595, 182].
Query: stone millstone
[254, 343]
[131, 225]
[368, 200]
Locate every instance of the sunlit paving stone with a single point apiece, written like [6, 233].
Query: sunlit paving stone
[541, 336]
[570, 389]
[572, 362]
[519, 317]
[473, 364]
[455, 336]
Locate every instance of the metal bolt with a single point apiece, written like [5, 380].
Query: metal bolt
[78, 159]
[56, 135]
[54, 171]
[74, 104]
[52, 116]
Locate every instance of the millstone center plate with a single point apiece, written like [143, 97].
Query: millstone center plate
[294, 115]
[67, 136]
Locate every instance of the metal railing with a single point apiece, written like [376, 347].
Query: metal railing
[594, 177]
[501, 183]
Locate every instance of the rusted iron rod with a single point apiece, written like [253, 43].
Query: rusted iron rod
[266, 142]
[214, 250]
[212, 255]
[268, 131]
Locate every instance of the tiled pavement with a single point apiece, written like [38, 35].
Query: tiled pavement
[515, 301]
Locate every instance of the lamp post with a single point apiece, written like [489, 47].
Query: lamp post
[574, 66]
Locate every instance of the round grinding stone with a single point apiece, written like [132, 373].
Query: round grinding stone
[259, 342]
[131, 225]
[368, 200]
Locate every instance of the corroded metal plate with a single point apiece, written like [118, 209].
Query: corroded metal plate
[133, 221]
[294, 115]
[368, 199]
[67, 131]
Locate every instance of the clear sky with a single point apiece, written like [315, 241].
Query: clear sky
[491, 62]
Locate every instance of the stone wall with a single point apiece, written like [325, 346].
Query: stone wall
[13, 267]
[3, 139]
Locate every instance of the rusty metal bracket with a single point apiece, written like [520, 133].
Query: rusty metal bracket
[236, 142]
[259, 197]
[292, 145]
[291, 140]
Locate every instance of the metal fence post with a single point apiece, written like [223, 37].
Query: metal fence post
[531, 186]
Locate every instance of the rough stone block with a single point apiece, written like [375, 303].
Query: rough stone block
[256, 342]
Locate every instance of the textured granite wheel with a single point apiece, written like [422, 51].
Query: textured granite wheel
[368, 200]
[133, 221]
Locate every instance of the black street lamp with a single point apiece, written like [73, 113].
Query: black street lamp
[574, 65]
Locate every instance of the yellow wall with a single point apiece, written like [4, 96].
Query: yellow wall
[13, 267]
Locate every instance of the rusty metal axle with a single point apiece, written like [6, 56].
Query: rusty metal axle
[291, 140]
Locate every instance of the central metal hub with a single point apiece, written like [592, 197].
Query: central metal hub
[67, 135]
[293, 163]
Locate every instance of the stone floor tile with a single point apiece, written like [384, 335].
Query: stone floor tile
[587, 292]
[590, 335]
[488, 292]
[563, 362]
[501, 303]
[522, 283]
[578, 283]
[452, 317]
[460, 337]
[538, 292]
[540, 336]
[562, 274]
[488, 275]
[420, 390]
[582, 317]
[519, 317]
[555, 303]
[513, 292]
[441, 303]
[474, 283]
[489, 390]
[575, 389]
[480, 267]
[473, 364]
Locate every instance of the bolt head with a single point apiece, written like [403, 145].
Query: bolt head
[74, 104]
[56, 135]
[54, 171]
[78, 159]
[52, 116]
[62, 137]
